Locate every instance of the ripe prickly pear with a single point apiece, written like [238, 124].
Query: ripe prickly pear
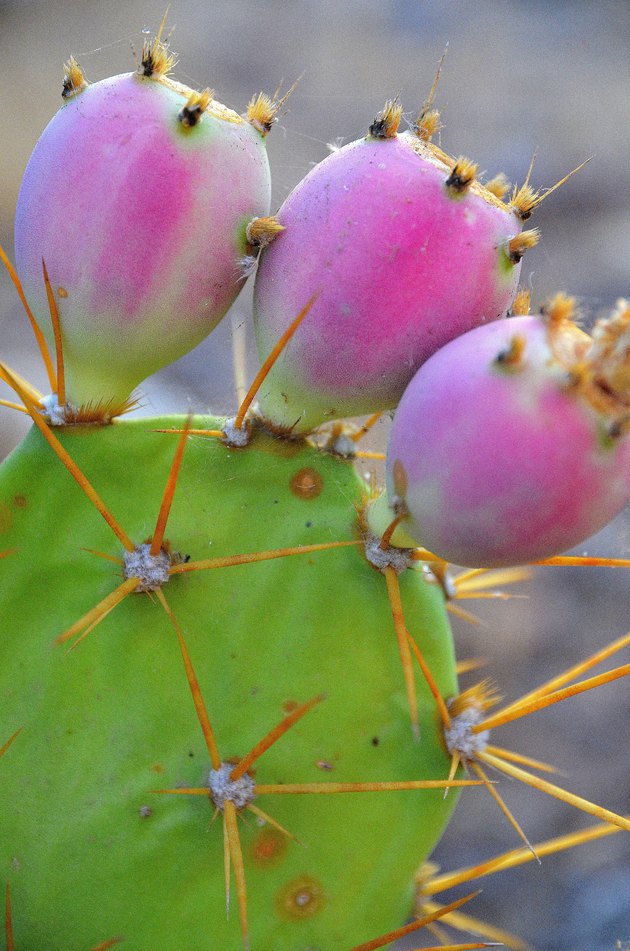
[404, 249]
[510, 444]
[137, 197]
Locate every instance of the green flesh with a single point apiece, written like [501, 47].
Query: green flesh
[114, 720]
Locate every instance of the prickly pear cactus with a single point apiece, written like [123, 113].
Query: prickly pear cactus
[227, 671]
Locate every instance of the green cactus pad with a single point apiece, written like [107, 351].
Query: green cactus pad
[90, 849]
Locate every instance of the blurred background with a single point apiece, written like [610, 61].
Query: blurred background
[551, 76]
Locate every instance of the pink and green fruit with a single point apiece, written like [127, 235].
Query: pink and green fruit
[137, 197]
[507, 448]
[402, 254]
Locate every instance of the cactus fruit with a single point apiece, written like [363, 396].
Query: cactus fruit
[211, 627]
[137, 197]
[404, 249]
[510, 444]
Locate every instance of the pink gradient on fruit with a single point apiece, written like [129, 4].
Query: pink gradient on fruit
[400, 267]
[141, 222]
[502, 466]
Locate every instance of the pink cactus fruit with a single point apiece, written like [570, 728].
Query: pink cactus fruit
[510, 445]
[404, 249]
[137, 197]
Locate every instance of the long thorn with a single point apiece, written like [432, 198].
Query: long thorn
[236, 854]
[414, 925]
[281, 102]
[437, 931]
[471, 573]
[556, 791]
[455, 761]
[360, 454]
[9, 405]
[217, 433]
[431, 683]
[470, 663]
[386, 537]
[200, 707]
[183, 791]
[520, 758]
[335, 788]
[465, 615]
[158, 38]
[269, 362]
[502, 806]
[11, 740]
[56, 326]
[226, 867]
[169, 491]
[568, 675]
[491, 595]
[468, 946]
[515, 857]
[100, 611]
[480, 579]
[232, 560]
[272, 822]
[104, 556]
[39, 337]
[548, 191]
[81, 480]
[104, 945]
[402, 636]
[366, 427]
[524, 709]
[463, 922]
[279, 730]
[423, 554]
[88, 630]
[582, 561]
[291, 789]
[429, 100]
[530, 169]
[34, 394]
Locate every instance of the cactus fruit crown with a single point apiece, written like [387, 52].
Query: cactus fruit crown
[328, 651]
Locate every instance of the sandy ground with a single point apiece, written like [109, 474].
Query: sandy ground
[552, 76]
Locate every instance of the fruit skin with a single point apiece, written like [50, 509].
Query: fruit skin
[400, 265]
[113, 720]
[502, 464]
[141, 222]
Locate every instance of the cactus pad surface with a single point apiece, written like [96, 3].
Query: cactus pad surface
[92, 848]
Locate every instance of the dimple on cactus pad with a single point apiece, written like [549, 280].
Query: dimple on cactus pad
[137, 197]
[510, 444]
[403, 249]
[112, 832]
